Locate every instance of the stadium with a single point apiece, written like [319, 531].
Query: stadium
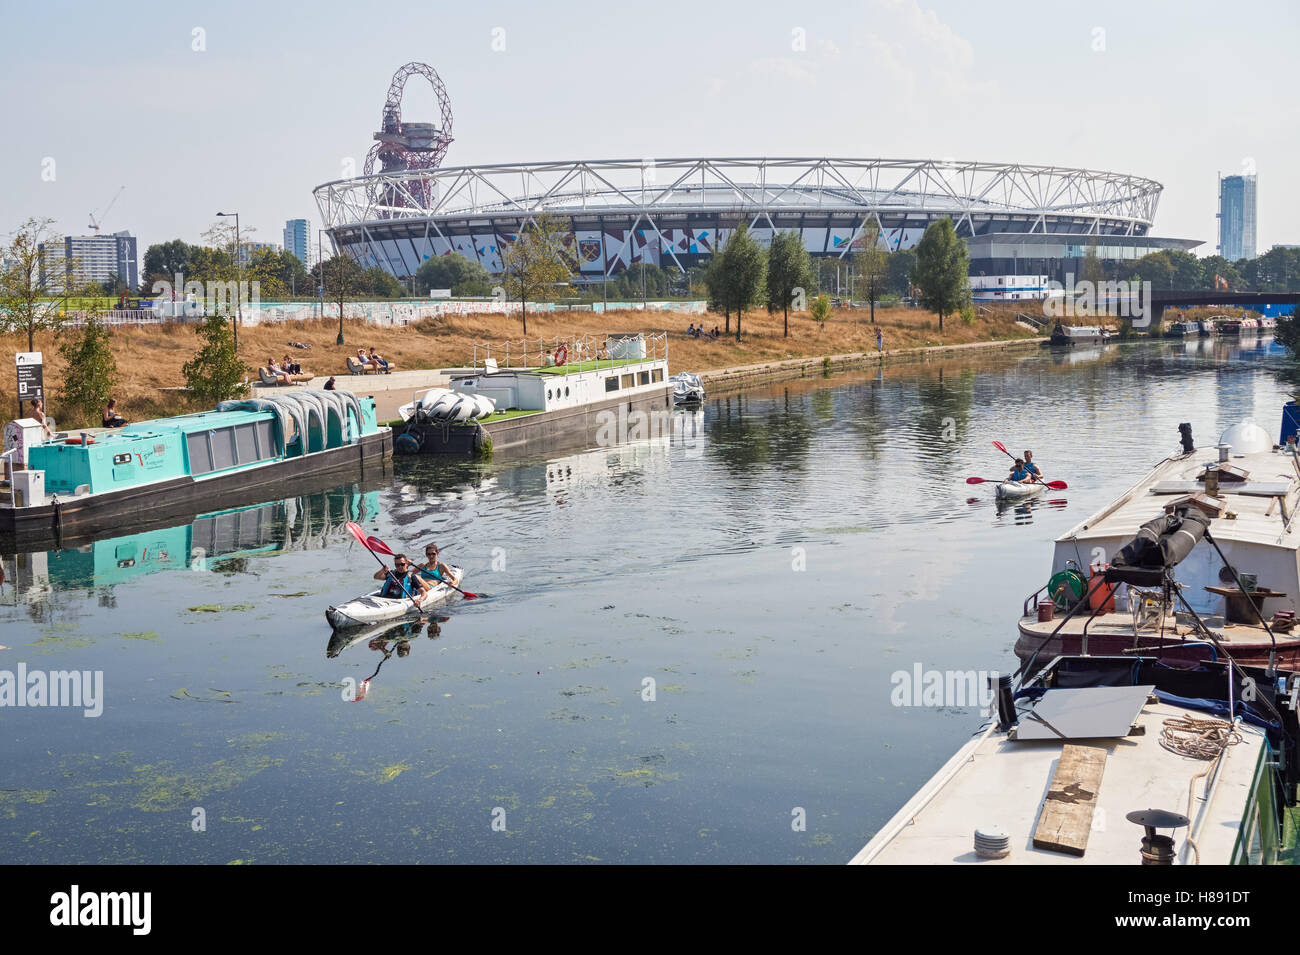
[1017, 219]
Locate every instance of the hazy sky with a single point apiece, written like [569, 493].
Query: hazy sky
[282, 94]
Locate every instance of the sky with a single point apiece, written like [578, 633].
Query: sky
[197, 108]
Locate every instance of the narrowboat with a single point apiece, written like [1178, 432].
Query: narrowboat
[561, 407]
[81, 484]
[1068, 335]
[1114, 760]
[1227, 582]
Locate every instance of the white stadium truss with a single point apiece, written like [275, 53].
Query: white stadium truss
[899, 197]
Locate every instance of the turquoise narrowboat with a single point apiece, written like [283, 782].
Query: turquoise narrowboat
[85, 482]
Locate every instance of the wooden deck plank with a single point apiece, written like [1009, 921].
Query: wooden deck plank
[1065, 819]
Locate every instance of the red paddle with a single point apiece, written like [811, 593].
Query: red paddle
[355, 530]
[374, 544]
[1054, 485]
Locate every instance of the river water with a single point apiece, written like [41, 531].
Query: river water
[692, 650]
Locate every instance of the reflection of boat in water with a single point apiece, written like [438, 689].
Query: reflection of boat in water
[341, 640]
[301, 523]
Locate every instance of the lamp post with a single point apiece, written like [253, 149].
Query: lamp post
[239, 269]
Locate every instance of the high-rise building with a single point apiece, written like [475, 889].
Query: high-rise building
[296, 233]
[83, 259]
[247, 248]
[1237, 217]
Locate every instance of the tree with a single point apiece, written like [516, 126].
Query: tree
[453, 272]
[91, 373]
[789, 273]
[871, 267]
[341, 278]
[716, 288]
[820, 309]
[901, 266]
[744, 273]
[33, 297]
[942, 269]
[533, 264]
[379, 283]
[164, 261]
[215, 373]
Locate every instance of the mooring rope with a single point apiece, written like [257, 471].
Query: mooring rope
[1196, 738]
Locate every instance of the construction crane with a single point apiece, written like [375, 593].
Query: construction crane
[97, 221]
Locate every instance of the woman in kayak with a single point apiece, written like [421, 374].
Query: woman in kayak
[404, 580]
[434, 569]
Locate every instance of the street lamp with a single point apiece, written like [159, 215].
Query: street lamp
[320, 241]
[239, 267]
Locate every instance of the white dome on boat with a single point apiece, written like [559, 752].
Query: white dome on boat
[1246, 438]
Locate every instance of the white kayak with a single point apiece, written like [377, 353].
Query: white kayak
[371, 608]
[1014, 491]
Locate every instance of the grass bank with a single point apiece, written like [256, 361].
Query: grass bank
[149, 358]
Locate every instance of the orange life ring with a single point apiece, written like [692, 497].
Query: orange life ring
[562, 355]
[77, 440]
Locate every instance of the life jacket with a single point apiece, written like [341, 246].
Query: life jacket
[398, 587]
[1019, 474]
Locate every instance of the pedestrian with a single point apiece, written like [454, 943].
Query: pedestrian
[880, 341]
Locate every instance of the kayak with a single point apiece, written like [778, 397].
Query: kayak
[369, 609]
[1013, 491]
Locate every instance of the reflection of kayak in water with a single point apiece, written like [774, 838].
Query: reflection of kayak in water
[341, 640]
[1013, 491]
[371, 608]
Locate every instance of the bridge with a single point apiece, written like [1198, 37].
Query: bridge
[1159, 301]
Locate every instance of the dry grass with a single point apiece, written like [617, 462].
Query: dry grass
[151, 357]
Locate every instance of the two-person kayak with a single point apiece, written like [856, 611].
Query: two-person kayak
[372, 608]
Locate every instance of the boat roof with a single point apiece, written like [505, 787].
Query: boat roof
[997, 782]
[199, 421]
[1252, 512]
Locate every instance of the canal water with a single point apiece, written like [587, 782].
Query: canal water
[697, 648]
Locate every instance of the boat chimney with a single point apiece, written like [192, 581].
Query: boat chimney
[1157, 849]
[1006, 711]
[1185, 429]
[1224, 451]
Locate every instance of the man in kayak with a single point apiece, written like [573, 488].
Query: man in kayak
[1031, 467]
[434, 569]
[1020, 474]
[404, 580]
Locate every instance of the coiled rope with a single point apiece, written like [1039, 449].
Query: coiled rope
[1196, 738]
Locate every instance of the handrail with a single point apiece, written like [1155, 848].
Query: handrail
[578, 347]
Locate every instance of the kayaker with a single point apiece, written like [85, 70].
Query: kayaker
[1019, 475]
[432, 568]
[404, 580]
[1031, 467]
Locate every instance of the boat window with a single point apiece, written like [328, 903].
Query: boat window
[196, 444]
[629, 381]
[265, 440]
[246, 444]
[645, 378]
[611, 383]
[223, 448]
[657, 374]
[548, 394]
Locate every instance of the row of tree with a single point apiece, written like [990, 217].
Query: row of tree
[1277, 270]
[741, 276]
